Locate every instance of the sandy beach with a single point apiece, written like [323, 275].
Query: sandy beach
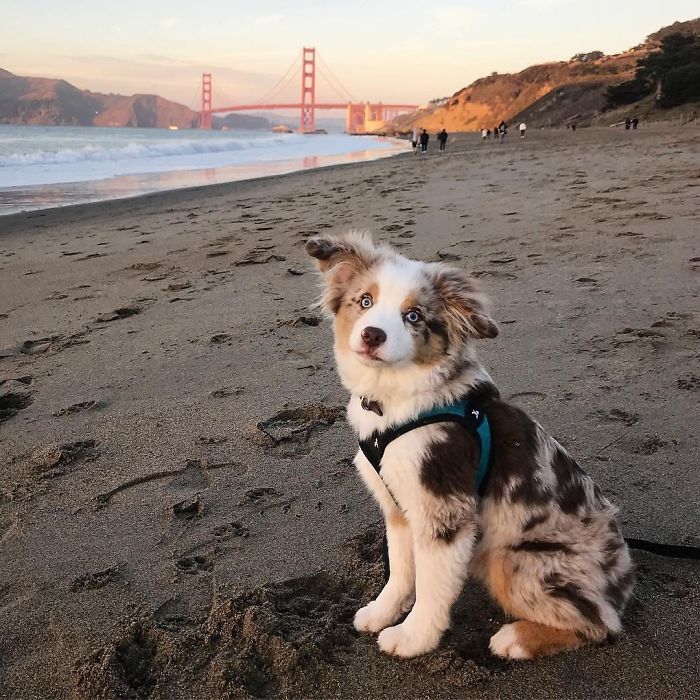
[179, 515]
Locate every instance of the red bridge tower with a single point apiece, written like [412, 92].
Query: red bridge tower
[308, 90]
[205, 114]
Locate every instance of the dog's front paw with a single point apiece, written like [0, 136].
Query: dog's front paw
[505, 643]
[401, 640]
[374, 617]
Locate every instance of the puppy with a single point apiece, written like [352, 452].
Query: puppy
[536, 531]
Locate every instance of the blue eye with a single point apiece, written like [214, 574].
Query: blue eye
[366, 301]
[412, 317]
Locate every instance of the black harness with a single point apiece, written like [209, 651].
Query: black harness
[467, 412]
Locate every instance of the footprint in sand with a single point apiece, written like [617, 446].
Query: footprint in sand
[178, 286]
[194, 565]
[537, 395]
[628, 336]
[258, 495]
[291, 429]
[145, 267]
[97, 579]
[312, 321]
[212, 440]
[56, 457]
[643, 445]
[446, 257]
[15, 396]
[36, 347]
[690, 382]
[616, 415]
[499, 274]
[229, 530]
[188, 509]
[259, 256]
[76, 408]
[117, 314]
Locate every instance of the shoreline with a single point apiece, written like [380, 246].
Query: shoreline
[214, 189]
[137, 184]
[158, 543]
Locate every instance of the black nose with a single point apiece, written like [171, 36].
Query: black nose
[373, 337]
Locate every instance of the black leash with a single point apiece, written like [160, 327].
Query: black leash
[674, 551]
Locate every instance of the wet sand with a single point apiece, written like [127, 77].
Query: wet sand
[178, 512]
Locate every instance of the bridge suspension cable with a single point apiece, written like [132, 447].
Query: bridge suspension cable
[282, 83]
[272, 96]
[333, 80]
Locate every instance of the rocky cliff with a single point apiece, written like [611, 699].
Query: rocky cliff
[547, 93]
[543, 95]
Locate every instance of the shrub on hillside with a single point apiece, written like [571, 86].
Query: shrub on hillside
[628, 92]
[673, 72]
[681, 85]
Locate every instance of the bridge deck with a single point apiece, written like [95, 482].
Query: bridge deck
[320, 105]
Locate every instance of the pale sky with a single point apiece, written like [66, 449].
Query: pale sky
[389, 50]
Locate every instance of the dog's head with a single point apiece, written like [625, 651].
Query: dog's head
[390, 311]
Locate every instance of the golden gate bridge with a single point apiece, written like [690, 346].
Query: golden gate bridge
[360, 117]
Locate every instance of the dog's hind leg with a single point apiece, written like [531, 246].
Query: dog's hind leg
[557, 613]
[398, 594]
[528, 640]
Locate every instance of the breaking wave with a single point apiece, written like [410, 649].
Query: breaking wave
[135, 150]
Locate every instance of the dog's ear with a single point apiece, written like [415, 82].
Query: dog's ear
[465, 306]
[340, 259]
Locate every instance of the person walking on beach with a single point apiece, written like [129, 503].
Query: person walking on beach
[522, 127]
[442, 139]
[635, 123]
[628, 124]
[424, 138]
[495, 133]
[414, 139]
[484, 134]
[502, 130]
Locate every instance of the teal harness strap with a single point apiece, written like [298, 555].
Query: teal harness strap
[465, 412]
[484, 433]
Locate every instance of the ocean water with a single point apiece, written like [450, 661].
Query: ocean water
[42, 167]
